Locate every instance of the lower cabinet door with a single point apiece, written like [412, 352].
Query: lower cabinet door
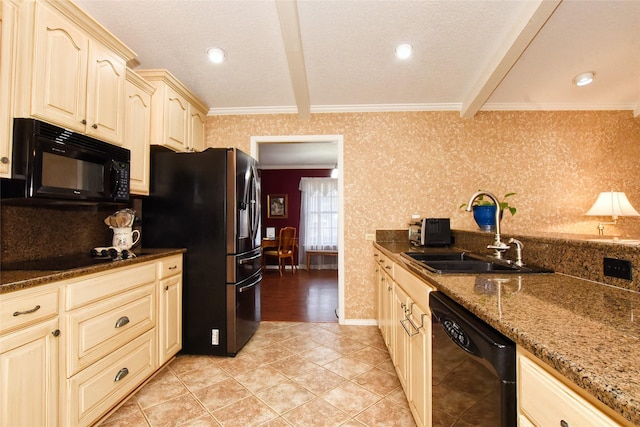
[420, 368]
[29, 376]
[170, 318]
[94, 390]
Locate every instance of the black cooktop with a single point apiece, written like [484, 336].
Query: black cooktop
[61, 263]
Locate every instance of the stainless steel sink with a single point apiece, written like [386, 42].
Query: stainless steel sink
[458, 262]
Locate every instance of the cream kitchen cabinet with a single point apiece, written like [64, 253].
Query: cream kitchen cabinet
[405, 323]
[71, 71]
[416, 329]
[545, 400]
[177, 116]
[29, 357]
[169, 308]
[111, 348]
[137, 128]
[8, 40]
[385, 269]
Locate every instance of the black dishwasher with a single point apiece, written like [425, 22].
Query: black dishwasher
[474, 369]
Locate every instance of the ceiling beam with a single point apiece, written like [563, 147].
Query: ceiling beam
[290, 27]
[507, 56]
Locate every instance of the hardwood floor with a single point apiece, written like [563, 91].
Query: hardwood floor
[304, 296]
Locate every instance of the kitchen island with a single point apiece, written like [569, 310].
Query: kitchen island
[584, 330]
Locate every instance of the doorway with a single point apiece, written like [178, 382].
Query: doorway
[305, 151]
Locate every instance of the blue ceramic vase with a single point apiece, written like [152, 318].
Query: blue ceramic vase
[485, 217]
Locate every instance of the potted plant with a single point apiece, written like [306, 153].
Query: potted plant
[484, 211]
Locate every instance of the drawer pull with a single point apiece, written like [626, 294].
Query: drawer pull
[563, 423]
[173, 268]
[122, 321]
[56, 333]
[33, 310]
[166, 288]
[121, 374]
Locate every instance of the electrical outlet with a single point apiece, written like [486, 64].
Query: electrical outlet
[370, 237]
[620, 268]
[215, 337]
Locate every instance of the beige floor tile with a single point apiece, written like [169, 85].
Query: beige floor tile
[285, 396]
[186, 363]
[164, 386]
[347, 367]
[222, 394]
[386, 414]
[293, 366]
[320, 355]
[319, 380]
[289, 374]
[378, 381]
[245, 413]
[350, 398]
[197, 379]
[260, 379]
[372, 356]
[317, 413]
[174, 412]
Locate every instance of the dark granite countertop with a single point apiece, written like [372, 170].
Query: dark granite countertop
[585, 330]
[12, 279]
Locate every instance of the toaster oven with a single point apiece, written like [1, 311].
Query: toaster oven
[430, 232]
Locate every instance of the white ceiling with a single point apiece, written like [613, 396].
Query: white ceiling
[337, 55]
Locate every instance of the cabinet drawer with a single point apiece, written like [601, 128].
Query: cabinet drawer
[170, 266]
[386, 264]
[23, 308]
[101, 328]
[546, 401]
[96, 389]
[102, 285]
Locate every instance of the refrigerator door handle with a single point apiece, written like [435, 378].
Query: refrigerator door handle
[249, 259]
[250, 285]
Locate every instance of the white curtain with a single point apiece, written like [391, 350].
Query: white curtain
[318, 220]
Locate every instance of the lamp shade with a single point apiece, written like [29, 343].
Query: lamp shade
[613, 204]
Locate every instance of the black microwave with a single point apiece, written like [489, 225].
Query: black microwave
[50, 162]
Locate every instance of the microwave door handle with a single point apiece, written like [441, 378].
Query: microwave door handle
[115, 178]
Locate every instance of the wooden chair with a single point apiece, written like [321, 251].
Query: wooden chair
[286, 246]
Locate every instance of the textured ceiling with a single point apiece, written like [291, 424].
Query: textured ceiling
[327, 56]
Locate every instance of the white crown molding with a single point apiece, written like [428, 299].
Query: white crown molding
[362, 108]
[556, 107]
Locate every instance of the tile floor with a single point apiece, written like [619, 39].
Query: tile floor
[289, 374]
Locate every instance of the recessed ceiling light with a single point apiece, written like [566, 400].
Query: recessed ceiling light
[584, 79]
[216, 55]
[403, 51]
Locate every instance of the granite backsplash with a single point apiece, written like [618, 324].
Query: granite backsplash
[574, 255]
[36, 231]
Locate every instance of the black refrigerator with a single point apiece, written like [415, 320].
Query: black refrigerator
[209, 203]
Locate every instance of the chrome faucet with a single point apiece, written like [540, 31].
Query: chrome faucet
[498, 246]
[519, 247]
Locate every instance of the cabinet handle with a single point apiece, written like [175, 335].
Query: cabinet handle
[4, 160]
[56, 333]
[95, 126]
[175, 266]
[121, 374]
[563, 423]
[166, 288]
[122, 321]
[388, 267]
[33, 310]
[389, 288]
[83, 121]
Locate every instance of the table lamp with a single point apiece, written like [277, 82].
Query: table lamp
[613, 204]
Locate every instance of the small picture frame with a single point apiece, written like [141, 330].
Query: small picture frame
[277, 206]
[271, 233]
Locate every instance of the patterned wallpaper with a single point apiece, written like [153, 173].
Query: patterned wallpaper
[429, 163]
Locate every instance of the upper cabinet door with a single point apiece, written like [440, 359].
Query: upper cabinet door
[137, 131]
[105, 95]
[176, 120]
[60, 71]
[196, 139]
[8, 12]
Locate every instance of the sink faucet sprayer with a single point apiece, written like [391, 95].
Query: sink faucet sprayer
[498, 246]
